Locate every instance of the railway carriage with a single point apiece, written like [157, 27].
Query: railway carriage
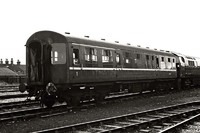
[65, 68]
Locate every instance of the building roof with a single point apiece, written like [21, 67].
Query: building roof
[7, 72]
[17, 68]
[22, 67]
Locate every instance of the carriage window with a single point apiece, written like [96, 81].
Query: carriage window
[127, 58]
[173, 60]
[152, 57]
[191, 63]
[75, 56]
[162, 59]
[118, 58]
[157, 62]
[107, 56]
[169, 60]
[58, 53]
[147, 57]
[138, 56]
[90, 54]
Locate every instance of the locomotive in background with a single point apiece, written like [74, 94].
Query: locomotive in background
[65, 68]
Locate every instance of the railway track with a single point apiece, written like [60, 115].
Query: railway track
[19, 104]
[30, 113]
[13, 96]
[7, 90]
[190, 125]
[9, 86]
[158, 120]
[33, 112]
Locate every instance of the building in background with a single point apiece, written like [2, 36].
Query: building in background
[12, 73]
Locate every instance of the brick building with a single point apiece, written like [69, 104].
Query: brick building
[12, 73]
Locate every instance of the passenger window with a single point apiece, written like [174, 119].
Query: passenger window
[118, 59]
[169, 60]
[162, 59]
[138, 56]
[107, 56]
[191, 63]
[147, 57]
[157, 62]
[90, 54]
[58, 53]
[76, 56]
[127, 58]
[152, 57]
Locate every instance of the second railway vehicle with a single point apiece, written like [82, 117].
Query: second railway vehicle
[65, 68]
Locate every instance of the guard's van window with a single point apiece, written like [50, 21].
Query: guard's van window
[58, 53]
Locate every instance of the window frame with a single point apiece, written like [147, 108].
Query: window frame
[107, 56]
[118, 59]
[76, 61]
[162, 59]
[127, 58]
[60, 50]
[91, 53]
[169, 60]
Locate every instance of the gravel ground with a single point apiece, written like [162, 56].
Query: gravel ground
[104, 111]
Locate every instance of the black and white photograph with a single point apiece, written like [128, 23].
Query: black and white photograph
[100, 66]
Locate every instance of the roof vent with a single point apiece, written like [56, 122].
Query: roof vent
[128, 44]
[155, 48]
[147, 47]
[116, 41]
[67, 33]
[87, 36]
[162, 50]
[138, 45]
[103, 39]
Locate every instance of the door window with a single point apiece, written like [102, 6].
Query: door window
[76, 56]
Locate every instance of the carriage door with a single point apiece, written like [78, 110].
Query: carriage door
[75, 55]
[157, 62]
[35, 71]
[75, 71]
[118, 63]
[46, 61]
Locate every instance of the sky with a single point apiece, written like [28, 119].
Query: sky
[172, 25]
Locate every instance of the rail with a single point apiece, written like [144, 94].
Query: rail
[155, 120]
